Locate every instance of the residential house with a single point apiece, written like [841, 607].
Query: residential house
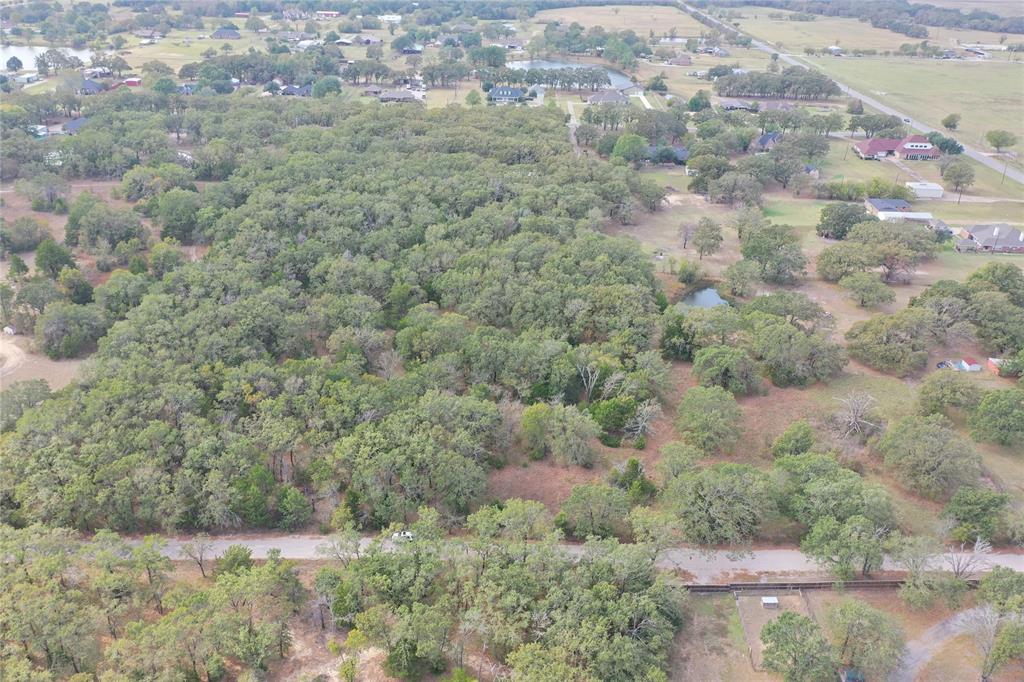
[396, 96]
[89, 87]
[925, 190]
[226, 34]
[147, 34]
[676, 154]
[875, 148]
[367, 40]
[132, 82]
[390, 18]
[994, 237]
[681, 60]
[766, 141]
[372, 90]
[720, 52]
[26, 78]
[917, 148]
[874, 205]
[505, 94]
[327, 14]
[735, 105]
[297, 91]
[413, 49]
[74, 125]
[835, 50]
[293, 14]
[608, 97]
[811, 171]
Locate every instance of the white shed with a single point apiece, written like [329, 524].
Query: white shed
[910, 216]
[769, 602]
[925, 190]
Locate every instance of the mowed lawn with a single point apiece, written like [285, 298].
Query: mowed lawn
[988, 95]
[640, 19]
[848, 33]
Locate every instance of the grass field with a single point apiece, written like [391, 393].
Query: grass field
[641, 20]
[1004, 8]
[921, 87]
[849, 33]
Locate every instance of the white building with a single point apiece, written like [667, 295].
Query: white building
[390, 18]
[911, 216]
[925, 190]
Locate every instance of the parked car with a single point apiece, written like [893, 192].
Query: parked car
[945, 364]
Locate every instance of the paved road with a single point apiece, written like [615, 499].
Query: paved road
[704, 566]
[995, 164]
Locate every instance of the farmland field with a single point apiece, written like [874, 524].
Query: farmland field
[920, 87]
[848, 33]
[620, 18]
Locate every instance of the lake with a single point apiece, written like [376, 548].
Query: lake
[27, 54]
[703, 298]
[618, 79]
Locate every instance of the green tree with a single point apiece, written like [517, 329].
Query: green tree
[707, 237]
[720, 505]
[294, 507]
[951, 121]
[944, 389]
[594, 509]
[856, 544]
[65, 330]
[958, 175]
[631, 148]
[177, 211]
[837, 219]
[867, 289]
[731, 368]
[1001, 139]
[709, 417]
[795, 647]
[999, 417]
[14, 64]
[976, 513]
[867, 639]
[19, 397]
[328, 85]
[473, 99]
[929, 457]
[895, 343]
[776, 248]
[235, 559]
[740, 278]
[74, 284]
[797, 439]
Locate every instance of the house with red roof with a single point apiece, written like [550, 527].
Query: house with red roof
[910, 148]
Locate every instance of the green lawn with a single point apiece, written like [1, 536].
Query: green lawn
[969, 213]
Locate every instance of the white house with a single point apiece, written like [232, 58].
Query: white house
[925, 190]
[390, 18]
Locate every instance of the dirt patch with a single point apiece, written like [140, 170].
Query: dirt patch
[913, 621]
[545, 482]
[19, 363]
[711, 645]
[754, 617]
[959, 659]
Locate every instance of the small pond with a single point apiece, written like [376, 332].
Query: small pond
[27, 54]
[618, 79]
[703, 298]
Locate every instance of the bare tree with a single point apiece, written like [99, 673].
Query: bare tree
[342, 546]
[982, 624]
[589, 374]
[199, 550]
[389, 363]
[967, 564]
[612, 386]
[686, 233]
[641, 422]
[856, 418]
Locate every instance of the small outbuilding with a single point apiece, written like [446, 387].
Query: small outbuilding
[769, 602]
[925, 190]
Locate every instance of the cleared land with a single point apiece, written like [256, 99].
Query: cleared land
[642, 20]
[1004, 8]
[848, 33]
[922, 88]
[712, 645]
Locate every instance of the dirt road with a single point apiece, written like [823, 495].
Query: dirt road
[703, 566]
